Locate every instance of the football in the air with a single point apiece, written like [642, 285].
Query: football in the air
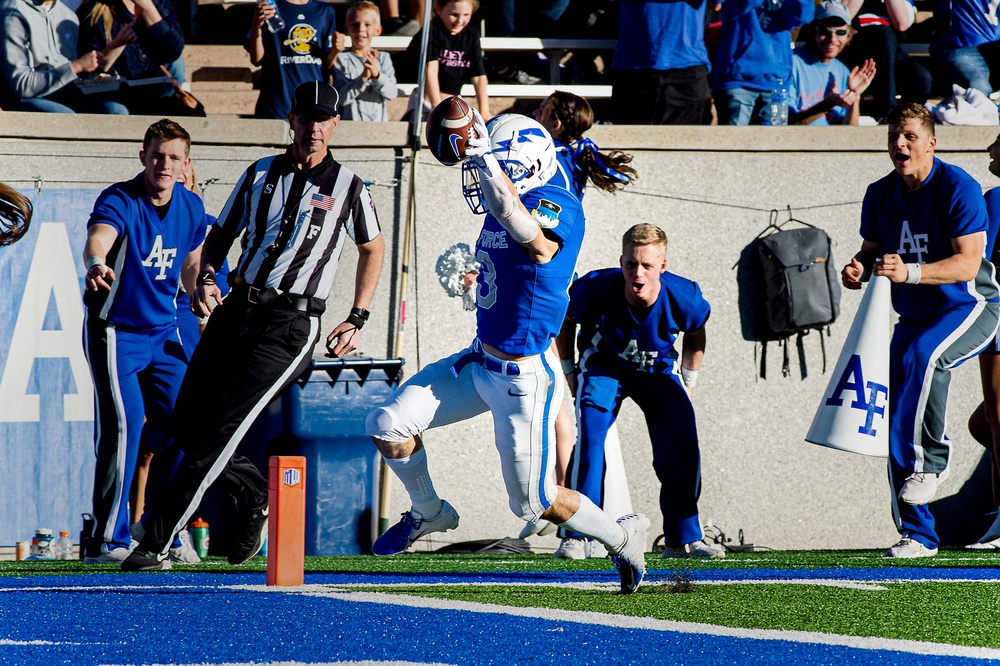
[449, 126]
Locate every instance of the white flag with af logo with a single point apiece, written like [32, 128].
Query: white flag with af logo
[853, 413]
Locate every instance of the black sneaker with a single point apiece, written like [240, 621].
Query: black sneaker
[253, 529]
[144, 560]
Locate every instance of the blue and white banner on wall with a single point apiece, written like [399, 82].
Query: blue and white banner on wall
[46, 393]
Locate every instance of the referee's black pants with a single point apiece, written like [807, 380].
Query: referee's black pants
[246, 356]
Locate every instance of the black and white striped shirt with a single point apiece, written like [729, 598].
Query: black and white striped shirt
[296, 223]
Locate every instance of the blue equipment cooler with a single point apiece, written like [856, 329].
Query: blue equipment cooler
[324, 414]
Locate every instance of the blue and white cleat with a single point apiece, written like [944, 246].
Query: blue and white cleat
[401, 536]
[630, 560]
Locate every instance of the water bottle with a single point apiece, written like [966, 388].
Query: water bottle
[200, 537]
[779, 104]
[64, 547]
[41, 545]
[275, 23]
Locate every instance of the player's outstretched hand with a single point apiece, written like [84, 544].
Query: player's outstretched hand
[206, 298]
[479, 149]
[99, 277]
[342, 340]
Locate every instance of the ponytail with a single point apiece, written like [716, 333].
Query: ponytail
[607, 171]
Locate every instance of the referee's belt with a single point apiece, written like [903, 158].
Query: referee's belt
[477, 355]
[275, 298]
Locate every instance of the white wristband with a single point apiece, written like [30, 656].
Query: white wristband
[94, 260]
[568, 366]
[689, 376]
[912, 273]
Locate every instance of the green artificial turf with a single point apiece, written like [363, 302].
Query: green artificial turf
[448, 563]
[956, 613]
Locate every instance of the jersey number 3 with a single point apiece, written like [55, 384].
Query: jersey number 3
[486, 294]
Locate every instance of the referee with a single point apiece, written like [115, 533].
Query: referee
[295, 211]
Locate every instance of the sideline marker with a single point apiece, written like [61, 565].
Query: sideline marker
[286, 529]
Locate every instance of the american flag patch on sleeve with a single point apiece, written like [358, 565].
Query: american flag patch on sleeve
[323, 201]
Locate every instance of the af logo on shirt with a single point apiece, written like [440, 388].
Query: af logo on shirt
[160, 257]
[640, 360]
[911, 243]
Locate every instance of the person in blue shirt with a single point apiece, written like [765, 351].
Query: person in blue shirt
[925, 227]
[754, 56]
[822, 90]
[304, 50]
[984, 423]
[966, 45]
[567, 117]
[142, 237]
[527, 250]
[629, 320]
[659, 73]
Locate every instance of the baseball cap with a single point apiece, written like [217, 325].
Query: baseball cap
[832, 9]
[315, 98]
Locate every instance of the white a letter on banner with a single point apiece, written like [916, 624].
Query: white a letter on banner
[52, 275]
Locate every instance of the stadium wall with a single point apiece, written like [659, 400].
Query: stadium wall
[712, 189]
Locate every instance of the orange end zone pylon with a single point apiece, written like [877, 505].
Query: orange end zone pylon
[286, 529]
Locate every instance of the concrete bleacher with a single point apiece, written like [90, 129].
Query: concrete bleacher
[221, 76]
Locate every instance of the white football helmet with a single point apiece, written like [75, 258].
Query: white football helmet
[525, 152]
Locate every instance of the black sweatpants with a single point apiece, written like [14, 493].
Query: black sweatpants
[246, 356]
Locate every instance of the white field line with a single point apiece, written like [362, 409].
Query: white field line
[628, 622]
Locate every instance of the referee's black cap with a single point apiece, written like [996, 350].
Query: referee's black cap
[315, 98]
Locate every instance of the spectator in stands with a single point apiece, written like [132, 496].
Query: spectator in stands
[303, 50]
[754, 57]
[454, 56]
[39, 61]
[880, 25]
[145, 34]
[822, 90]
[659, 74]
[400, 26]
[966, 45]
[364, 77]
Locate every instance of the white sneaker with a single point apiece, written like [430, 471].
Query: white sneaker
[920, 487]
[541, 527]
[908, 548]
[572, 548]
[993, 533]
[695, 549]
[985, 545]
[630, 560]
[110, 554]
[185, 553]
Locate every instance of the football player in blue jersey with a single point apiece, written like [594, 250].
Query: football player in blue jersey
[924, 226]
[143, 234]
[527, 249]
[629, 320]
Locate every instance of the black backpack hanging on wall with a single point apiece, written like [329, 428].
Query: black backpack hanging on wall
[799, 287]
[802, 285]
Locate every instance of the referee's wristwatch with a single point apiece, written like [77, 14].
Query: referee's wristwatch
[358, 317]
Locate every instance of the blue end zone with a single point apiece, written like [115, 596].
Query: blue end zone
[200, 618]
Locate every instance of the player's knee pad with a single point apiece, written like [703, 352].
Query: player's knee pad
[521, 507]
[384, 423]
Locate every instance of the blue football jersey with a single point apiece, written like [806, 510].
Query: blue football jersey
[521, 304]
[148, 253]
[993, 211]
[612, 336]
[568, 174]
[919, 226]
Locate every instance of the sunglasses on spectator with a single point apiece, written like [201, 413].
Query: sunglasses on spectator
[839, 32]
